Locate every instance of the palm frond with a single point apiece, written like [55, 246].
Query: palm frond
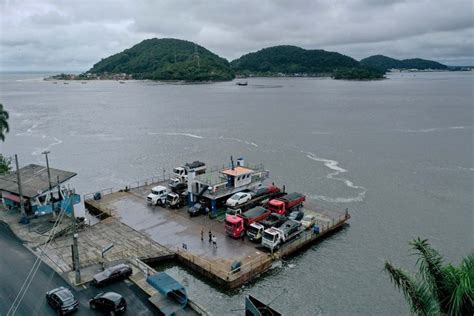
[431, 267]
[417, 293]
[461, 300]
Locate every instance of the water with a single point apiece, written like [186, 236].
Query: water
[398, 153]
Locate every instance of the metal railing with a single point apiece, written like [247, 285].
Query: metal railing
[133, 185]
[222, 271]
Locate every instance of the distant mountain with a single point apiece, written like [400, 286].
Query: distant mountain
[291, 60]
[385, 63]
[166, 59]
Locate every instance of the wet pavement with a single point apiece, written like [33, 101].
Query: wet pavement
[173, 228]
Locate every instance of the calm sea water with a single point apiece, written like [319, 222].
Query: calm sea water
[398, 153]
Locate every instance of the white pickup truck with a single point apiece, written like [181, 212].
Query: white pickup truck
[157, 196]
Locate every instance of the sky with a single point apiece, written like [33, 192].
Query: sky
[72, 35]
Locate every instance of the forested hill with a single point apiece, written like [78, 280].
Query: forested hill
[291, 60]
[166, 59]
[385, 63]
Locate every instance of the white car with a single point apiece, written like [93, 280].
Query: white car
[157, 196]
[238, 199]
[308, 221]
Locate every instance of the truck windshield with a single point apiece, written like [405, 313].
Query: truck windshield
[253, 229]
[169, 198]
[155, 192]
[229, 223]
[268, 236]
[176, 171]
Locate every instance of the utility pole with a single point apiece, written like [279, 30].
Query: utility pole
[75, 250]
[46, 152]
[24, 219]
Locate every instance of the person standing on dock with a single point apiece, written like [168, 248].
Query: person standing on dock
[214, 241]
[202, 234]
[210, 236]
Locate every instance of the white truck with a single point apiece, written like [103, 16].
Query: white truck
[273, 237]
[157, 196]
[181, 173]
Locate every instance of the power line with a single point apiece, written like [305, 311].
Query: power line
[26, 284]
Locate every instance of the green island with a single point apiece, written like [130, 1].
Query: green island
[166, 59]
[170, 59]
[384, 63]
[295, 61]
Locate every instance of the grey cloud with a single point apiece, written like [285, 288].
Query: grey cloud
[48, 34]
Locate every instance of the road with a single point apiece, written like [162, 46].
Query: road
[15, 264]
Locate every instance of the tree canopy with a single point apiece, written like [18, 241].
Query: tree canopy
[291, 60]
[438, 288]
[167, 59]
[385, 63]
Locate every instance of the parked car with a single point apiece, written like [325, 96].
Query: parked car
[308, 221]
[111, 274]
[238, 199]
[296, 215]
[109, 302]
[62, 300]
[198, 209]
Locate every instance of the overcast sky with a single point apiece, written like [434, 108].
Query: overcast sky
[72, 35]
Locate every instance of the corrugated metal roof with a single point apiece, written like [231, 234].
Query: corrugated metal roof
[237, 171]
[34, 180]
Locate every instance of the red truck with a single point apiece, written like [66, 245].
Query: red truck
[287, 203]
[235, 225]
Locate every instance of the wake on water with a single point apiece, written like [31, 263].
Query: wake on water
[433, 129]
[238, 140]
[334, 165]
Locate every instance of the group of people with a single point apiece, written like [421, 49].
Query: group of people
[212, 238]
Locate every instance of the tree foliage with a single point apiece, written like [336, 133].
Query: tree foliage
[5, 164]
[4, 127]
[287, 59]
[167, 59]
[385, 63]
[438, 288]
[358, 73]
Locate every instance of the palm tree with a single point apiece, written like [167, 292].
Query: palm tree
[4, 128]
[437, 289]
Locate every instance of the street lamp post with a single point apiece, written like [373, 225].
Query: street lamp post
[46, 152]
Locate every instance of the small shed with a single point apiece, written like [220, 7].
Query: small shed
[36, 189]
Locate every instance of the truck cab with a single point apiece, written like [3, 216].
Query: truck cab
[174, 200]
[271, 238]
[277, 206]
[234, 226]
[255, 232]
[157, 196]
[180, 173]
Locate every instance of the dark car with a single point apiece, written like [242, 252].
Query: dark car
[111, 274]
[109, 302]
[198, 209]
[62, 300]
[296, 215]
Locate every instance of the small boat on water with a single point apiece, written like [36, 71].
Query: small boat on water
[66, 82]
[122, 82]
[242, 83]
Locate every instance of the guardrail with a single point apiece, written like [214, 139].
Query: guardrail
[148, 181]
[133, 185]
